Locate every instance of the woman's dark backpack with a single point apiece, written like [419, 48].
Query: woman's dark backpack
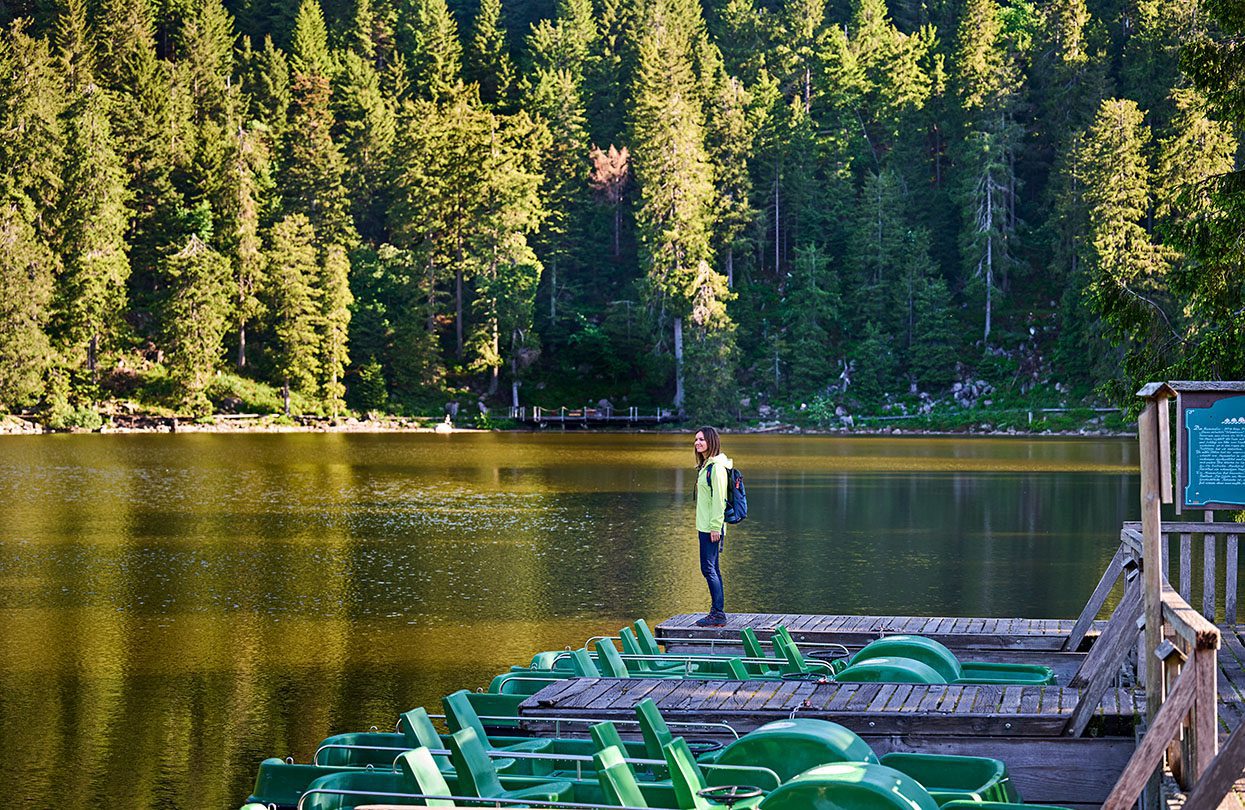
[736, 496]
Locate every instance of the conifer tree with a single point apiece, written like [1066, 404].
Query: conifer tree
[292, 305]
[675, 178]
[335, 302]
[1213, 241]
[1125, 262]
[487, 61]
[811, 312]
[196, 317]
[365, 124]
[26, 272]
[313, 167]
[935, 341]
[91, 294]
[506, 268]
[427, 39]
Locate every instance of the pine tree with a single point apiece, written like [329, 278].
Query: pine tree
[1126, 265]
[876, 368]
[427, 39]
[196, 317]
[366, 127]
[810, 314]
[935, 338]
[247, 181]
[335, 302]
[91, 293]
[292, 304]
[506, 267]
[313, 167]
[676, 188]
[309, 50]
[488, 61]
[876, 248]
[26, 273]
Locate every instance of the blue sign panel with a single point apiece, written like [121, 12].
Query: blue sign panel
[1216, 453]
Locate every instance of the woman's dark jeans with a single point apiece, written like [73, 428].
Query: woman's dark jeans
[709, 554]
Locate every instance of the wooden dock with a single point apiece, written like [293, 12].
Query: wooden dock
[1023, 725]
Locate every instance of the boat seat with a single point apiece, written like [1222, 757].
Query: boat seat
[478, 777]
[617, 781]
[461, 715]
[416, 727]
[420, 767]
[688, 781]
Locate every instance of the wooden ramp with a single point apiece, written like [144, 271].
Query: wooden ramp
[1023, 725]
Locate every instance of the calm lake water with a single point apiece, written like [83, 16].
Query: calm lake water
[175, 608]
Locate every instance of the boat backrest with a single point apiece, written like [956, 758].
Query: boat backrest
[794, 660]
[631, 646]
[653, 727]
[648, 642]
[605, 735]
[417, 728]
[583, 664]
[461, 715]
[420, 768]
[737, 669]
[617, 781]
[475, 771]
[685, 775]
[752, 645]
[611, 663]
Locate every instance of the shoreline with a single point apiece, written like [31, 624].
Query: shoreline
[231, 424]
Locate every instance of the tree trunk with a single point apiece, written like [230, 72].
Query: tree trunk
[495, 377]
[777, 219]
[458, 305]
[285, 395]
[91, 350]
[730, 267]
[553, 290]
[333, 399]
[678, 365]
[617, 228]
[241, 346]
[989, 273]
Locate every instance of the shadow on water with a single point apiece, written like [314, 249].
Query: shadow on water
[176, 608]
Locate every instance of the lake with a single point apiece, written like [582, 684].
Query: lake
[175, 608]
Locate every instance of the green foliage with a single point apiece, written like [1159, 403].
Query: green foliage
[292, 270]
[368, 391]
[196, 315]
[624, 199]
[876, 367]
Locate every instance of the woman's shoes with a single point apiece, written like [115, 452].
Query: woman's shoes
[712, 620]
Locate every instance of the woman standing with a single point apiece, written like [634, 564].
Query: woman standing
[711, 467]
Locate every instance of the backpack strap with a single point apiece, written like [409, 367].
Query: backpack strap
[709, 477]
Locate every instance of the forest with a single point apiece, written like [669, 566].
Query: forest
[376, 205]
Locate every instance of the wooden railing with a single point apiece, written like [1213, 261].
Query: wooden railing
[1186, 726]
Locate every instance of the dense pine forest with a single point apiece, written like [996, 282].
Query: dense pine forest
[378, 204]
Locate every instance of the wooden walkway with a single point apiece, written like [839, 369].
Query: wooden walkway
[1023, 725]
[1231, 686]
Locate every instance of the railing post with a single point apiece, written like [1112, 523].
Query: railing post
[1152, 566]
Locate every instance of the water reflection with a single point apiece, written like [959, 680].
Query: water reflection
[175, 608]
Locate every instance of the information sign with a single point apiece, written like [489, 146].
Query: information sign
[1213, 438]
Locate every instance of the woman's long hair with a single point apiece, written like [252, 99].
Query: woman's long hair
[713, 445]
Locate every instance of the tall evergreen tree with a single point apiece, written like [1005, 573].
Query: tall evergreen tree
[92, 223]
[811, 313]
[1126, 263]
[675, 179]
[335, 302]
[487, 61]
[196, 317]
[427, 39]
[313, 168]
[26, 273]
[293, 269]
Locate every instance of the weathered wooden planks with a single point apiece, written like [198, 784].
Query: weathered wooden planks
[871, 708]
[958, 633]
